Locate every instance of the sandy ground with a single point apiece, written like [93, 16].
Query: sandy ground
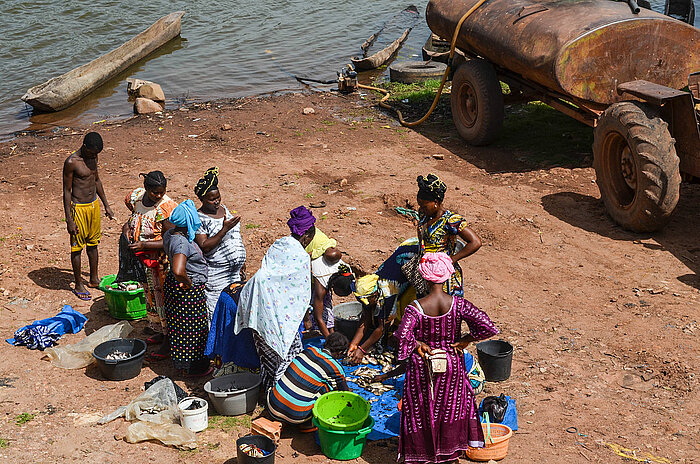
[604, 322]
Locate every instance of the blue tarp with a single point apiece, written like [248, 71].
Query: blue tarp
[46, 332]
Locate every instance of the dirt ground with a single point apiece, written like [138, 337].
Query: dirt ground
[604, 322]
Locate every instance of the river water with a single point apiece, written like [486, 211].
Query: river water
[226, 49]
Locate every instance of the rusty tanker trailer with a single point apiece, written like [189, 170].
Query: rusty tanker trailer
[598, 62]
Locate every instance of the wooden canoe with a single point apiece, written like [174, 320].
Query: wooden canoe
[365, 63]
[63, 91]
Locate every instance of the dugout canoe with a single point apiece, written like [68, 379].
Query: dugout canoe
[63, 91]
[365, 63]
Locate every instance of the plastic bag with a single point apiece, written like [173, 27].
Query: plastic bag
[79, 354]
[495, 407]
[158, 404]
[168, 434]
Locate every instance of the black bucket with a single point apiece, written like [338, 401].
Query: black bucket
[495, 358]
[120, 369]
[261, 442]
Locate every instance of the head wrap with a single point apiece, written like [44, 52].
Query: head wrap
[301, 220]
[208, 182]
[273, 302]
[431, 188]
[436, 267]
[365, 287]
[185, 215]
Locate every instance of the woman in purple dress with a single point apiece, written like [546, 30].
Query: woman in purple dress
[439, 417]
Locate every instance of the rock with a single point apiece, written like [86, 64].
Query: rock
[226, 127]
[146, 105]
[308, 110]
[439, 156]
[364, 221]
[152, 91]
[133, 85]
[343, 182]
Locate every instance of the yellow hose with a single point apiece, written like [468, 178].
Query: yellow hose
[386, 93]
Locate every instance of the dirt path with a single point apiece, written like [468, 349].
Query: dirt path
[604, 322]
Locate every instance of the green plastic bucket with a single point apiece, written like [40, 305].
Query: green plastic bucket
[341, 410]
[123, 305]
[343, 445]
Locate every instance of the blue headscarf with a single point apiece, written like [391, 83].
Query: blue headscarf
[185, 215]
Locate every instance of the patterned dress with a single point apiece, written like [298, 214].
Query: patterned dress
[439, 416]
[224, 261]
[442, 236]
[145, 224]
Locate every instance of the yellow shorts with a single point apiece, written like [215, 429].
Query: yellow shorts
[87, 217]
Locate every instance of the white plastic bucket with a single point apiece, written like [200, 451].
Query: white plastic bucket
[197, 419]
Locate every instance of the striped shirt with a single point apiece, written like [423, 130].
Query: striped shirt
[312, 373]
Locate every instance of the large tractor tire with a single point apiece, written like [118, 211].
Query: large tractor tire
[477, 102]
[636, 166]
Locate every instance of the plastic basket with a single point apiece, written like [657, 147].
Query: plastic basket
[341, 410]
[496, 443]
[125, 305]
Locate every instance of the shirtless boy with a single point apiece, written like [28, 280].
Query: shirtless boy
[81, 187]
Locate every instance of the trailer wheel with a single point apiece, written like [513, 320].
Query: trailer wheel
[636, 166]
[477, 102]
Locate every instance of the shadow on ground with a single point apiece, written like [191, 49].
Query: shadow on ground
[52, 278]
[679, 237]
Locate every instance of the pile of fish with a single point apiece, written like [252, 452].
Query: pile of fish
[364, 375]
[117, 355]
[124, 287]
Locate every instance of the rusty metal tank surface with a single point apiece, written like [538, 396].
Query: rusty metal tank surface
[581, 48]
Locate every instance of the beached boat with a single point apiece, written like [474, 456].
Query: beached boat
[63, 91]
[376, 60]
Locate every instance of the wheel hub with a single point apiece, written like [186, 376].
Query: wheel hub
[627, 168]
[469, 108]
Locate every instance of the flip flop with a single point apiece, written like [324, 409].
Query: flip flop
[155, 357]
[203, 374]
[307, 430]
[155, 339]
[85, 296]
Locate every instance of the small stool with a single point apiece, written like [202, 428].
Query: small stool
[268, 428]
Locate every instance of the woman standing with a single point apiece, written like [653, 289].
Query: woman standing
[440, 416]
[185, 303]
[438, 229]
[149, 207]
[273, 303]
[219, 238]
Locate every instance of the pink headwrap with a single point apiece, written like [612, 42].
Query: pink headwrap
[436, 267]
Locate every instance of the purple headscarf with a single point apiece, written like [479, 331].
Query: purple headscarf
[301, 220]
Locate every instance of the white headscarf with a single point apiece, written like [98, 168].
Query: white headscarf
[275, 299]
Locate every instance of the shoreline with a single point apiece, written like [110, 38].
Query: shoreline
[596, 314]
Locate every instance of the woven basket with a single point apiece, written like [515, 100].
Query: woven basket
[496, 446]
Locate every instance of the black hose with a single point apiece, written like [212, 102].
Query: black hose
[633, 6]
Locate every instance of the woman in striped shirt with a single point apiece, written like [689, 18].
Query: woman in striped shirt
[312, 373]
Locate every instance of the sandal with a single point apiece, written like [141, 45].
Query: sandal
[85, 296]
[203, 374]
[155, 357]
[156, 339]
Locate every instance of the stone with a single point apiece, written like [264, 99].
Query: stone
[151, 91]
[308, 110]
[226, 127]
[439, 156]
[132, 85]
[146, 105]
